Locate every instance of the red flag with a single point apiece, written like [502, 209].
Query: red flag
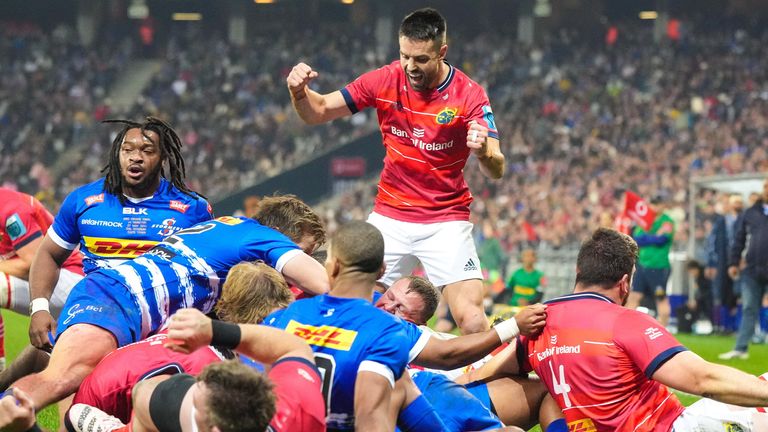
[673, 29]
[611, 35]
[637, 209]
[623, 223]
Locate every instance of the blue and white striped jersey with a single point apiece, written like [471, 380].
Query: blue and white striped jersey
[187, 269]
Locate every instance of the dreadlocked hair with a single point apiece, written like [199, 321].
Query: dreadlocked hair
[170, 151]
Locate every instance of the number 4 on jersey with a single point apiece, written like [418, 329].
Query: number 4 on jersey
[561, 387]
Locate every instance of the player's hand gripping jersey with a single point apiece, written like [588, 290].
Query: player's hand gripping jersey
[110, 232]
[347, 336]
[186, 270]
[597, 358]
[425, 136]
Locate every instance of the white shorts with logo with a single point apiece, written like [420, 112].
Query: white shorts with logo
[19, 292]
[446, 250]
[708, 415]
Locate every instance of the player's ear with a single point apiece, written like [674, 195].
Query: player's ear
[443, 51]
[381, 270]
[624, 285]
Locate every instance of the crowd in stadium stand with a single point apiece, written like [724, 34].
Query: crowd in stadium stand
[52, 91]
[580, 120]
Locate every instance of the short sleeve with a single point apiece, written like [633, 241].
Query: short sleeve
[20, 224]
[646, 342]
[270, 246]
[479, 110]
[387, 355]
[522, 354]
[361, 93]
[203, 210]
[65, 230]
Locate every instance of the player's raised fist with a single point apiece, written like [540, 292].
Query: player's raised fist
[299, 77]
[477, 137]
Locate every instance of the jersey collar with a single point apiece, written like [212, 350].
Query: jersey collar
[580, 296]
[447, 81]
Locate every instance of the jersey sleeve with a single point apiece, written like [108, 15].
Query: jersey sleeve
[522, 354]
[203, 210]
[479, 110]
[418, 338]
[65, 230]
[361, 93]
[386, 357]
[270, 246]
[20, 225]
[647, 343]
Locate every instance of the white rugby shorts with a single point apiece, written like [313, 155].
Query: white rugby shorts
[707, 415]
[446, 250]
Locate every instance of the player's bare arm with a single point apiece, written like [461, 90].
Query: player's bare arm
[372, 398]
[190, 329]
[501, 365]
[305, 273]
[44, 273]
[690, 373]
[487, 150]
[463, 350]
[313, 107]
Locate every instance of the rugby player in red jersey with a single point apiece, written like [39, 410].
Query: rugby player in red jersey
[432, 117]
[608, 367]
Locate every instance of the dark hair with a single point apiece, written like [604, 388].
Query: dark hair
[170, 151]
[239, 398]
[291, 216]
[605, 258]
[424, 25]
[694, 264]
[359, 245]
[428, 293]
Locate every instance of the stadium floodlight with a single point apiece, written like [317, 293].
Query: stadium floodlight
[138, 10]
[263, 1]
[347, 1]
[649, 15]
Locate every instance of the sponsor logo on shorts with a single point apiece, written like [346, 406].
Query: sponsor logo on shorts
[76, 310]
[117, 248]
[15, 227]
[94, 199]
[583, 425]
[101, 223]
[470, 265]
[179, 206]
[324, 336]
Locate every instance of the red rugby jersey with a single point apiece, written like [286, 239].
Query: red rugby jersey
[597, 358]
[24, 219]
[425, 136]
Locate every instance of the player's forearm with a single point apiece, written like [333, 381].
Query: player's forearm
[309, 105]
[16, 267]
[267, 344]
[492, 165]
[500, 365]
[458, 352]
[43, 275]
[732, 386]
